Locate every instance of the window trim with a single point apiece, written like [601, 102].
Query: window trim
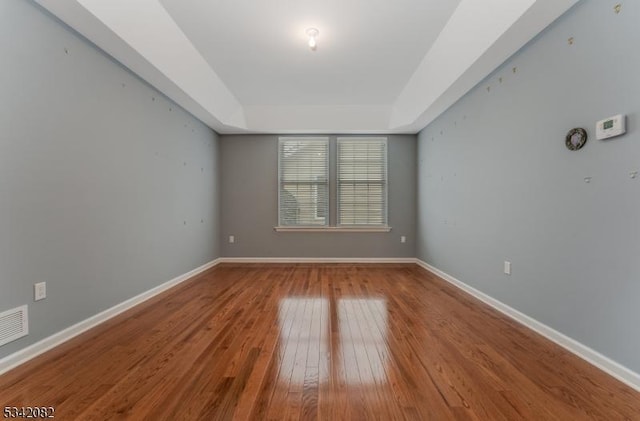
[364, 228]
[281, 140]
[384, 139]
[333, 180]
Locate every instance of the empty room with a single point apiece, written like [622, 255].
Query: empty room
[332, 210]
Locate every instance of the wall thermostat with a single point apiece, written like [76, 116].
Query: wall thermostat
[610, 127]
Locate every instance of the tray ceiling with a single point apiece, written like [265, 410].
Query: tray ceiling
[244, 66]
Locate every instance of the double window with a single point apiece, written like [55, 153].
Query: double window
[360, 182]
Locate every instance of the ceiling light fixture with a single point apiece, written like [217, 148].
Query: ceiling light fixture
[313, 34]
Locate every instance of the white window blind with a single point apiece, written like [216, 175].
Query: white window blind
[362, 181]
[303, 173]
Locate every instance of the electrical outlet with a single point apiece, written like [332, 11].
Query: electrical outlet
[232, 239]
[507, 267]
[403, 239]
[39, 291]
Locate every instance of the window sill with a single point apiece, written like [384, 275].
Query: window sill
[332, 229]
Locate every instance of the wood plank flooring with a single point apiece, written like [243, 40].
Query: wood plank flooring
[328, 342]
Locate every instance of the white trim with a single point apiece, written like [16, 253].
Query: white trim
[282, 140]
[22, 356]
[317, 260]
[332, 229]
[604, 363]
[345, 139]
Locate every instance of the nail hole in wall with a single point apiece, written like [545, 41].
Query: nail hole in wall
[617, 8]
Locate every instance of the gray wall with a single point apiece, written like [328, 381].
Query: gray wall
[103, 181]
[250, 204]
[496, 182]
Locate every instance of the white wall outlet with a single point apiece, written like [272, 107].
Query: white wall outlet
[507, 267]
[403, 239]
[39, 291]
[232, 239]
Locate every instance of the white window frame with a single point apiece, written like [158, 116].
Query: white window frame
[332, 180]
[385, 183]
[296, 227]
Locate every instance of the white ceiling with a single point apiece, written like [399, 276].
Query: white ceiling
[243, 66]
[368, 49]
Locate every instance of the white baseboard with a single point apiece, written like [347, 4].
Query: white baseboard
[609, 366]
[317, 260]
[13, 360]
[604, 363]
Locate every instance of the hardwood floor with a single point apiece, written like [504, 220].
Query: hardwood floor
[327, 342]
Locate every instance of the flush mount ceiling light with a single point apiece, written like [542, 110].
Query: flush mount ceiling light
[313, 34]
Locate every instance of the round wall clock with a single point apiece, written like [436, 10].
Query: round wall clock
[576, 138]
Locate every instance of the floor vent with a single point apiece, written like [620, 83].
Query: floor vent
[14, 324]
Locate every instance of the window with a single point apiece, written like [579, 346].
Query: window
[303, 177]
[362, 181]
[356, 189]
